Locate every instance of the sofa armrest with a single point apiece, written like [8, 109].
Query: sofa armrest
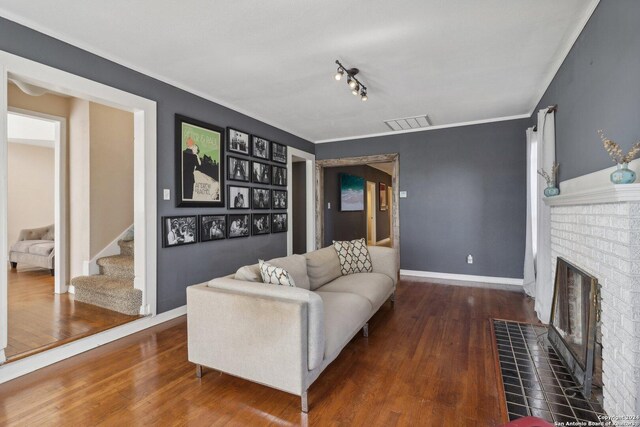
[256, 331]
[33, 233]
[385, 261]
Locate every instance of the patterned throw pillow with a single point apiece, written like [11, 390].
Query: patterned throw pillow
[354, 256]
[275, 275]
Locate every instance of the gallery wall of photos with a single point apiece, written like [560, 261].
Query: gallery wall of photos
[245, 173]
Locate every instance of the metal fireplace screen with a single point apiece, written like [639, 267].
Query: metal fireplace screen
[573, 321]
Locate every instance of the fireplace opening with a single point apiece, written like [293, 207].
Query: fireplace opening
[574, 331]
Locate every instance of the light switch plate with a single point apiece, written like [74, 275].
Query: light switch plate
[403, 194]
[166, 194]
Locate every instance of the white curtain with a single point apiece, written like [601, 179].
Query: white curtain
[546, 156]
[532, 215]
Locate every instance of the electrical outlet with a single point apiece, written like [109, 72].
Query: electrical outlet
[469, 259]
[329, 205]
[166, 194]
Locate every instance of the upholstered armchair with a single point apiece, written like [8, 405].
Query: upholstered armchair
[35, 246]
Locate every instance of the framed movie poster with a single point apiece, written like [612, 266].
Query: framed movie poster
[237, 169]
[279, 222]
[279, 199]
[260, 173]
[261, 198]
[179, 230]
[279, 153]
[199, 163]
[382, 198]
[260, 147]
[238, 226]
[213, 227]
[239, 197]
[238, 141]
[279, 176]
[261, 224]
[351, 193]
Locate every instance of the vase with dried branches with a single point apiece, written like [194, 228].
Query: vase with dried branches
[551, 179]
[622, 175]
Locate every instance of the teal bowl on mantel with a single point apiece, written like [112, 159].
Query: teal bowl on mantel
[551, 191]
[623, 175]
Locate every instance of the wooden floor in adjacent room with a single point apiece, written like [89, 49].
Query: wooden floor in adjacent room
[428, 362]
[39, 319]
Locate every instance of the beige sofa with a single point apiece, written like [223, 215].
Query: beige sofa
[35, 246]
[281, 336]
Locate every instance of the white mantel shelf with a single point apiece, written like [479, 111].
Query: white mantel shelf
[607, 194]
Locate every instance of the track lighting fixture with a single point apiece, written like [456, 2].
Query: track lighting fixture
[356, 86]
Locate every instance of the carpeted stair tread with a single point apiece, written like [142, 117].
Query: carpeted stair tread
[104, 284]
[126, 247]
[121, 266]
[108, 292]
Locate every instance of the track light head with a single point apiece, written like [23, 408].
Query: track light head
[339, 74]
[363, 95]
[352, 83]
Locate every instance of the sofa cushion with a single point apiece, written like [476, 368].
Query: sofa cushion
[354, 256]
[24, 245]
[344, 314]
[249, 273]
[275, 275]
[375, 287]
[296, 266]
[323, 266]
[43, 249]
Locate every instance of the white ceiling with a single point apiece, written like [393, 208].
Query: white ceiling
[457, 61]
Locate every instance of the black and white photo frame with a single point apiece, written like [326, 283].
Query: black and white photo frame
[238, 225]
[261, 198]
[279, 199]
[238, 141]
[260, 173]
[260, 224]
[279, 222]
[239, 197]
[179, 230]
[212, 227]
[279, 176]
[279, 153]
[238, 169]
[260, 147]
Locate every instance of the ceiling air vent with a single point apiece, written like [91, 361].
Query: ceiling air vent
[407, 123]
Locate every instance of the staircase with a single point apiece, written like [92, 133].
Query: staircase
[113, 287]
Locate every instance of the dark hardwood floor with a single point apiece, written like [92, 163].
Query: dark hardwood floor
[428, 362]
[39, 319]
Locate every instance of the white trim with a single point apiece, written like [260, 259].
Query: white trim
[310, 160]
[90, 267]
[463, 277]
[450, 125]
[605, 194]
[145, 159]
[374, 206]
[45, 143]
[598, 178]
[4, 212]
[116, 59]
[564, 52]
[40, 360]
[61, 279]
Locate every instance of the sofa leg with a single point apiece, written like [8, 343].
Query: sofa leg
[304, 401]
[52, 271]
[393, 300]
[14, 265]
[365, 330]
[198, 371]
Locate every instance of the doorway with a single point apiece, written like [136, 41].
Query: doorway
[301, 237]
[371, 213]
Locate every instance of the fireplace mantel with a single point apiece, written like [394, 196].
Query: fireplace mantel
[606, 194]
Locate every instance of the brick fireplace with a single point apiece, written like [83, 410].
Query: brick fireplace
[599, 231]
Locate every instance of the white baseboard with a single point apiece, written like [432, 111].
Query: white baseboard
[12, 370]
[463, 277]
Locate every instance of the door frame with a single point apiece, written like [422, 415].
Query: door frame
[145, 168]
[355, 161]
[372, 188]
[309, 160]
[61, 279]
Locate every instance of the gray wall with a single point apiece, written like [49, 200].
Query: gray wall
[299, 207]
[351, 225]
[182, 266]
[598, 87]
[466, 194]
